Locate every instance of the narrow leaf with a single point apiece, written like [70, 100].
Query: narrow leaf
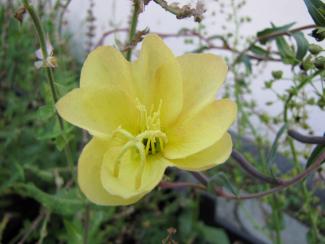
[302, 45]
[269, 31]
[64, 203]
[287, 54]
[314, 154]
[316, 9]
[222, 180]
[275, 144]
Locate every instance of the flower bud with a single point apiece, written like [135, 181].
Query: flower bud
[320, 62]
[319, 34]
[277, 74]
[315, 49]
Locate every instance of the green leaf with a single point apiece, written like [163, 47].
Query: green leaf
[211, 234]
[314, 154]
[259, 51]
[74, 232]
[270, 31]
[247, 62]
[316, 9]
[66, 202]
[45, 112]
[302, 45]
[287, 53]
[222, 180]
[275, 144]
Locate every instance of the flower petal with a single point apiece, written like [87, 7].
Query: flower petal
[216, 154]
[105, 67]
[191, 134]
[125, 184]
[98, 111]
[89, 166]
[157, 77]
[202, 76]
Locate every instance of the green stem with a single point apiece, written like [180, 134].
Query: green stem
[314, 228]
[276, 212]
[86, 224]
[133, 28]
[291, 95]
[50, 77]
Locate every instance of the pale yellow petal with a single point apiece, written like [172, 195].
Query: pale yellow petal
[157, 77]
[98, 111]
[192, 134]
[202, 76]
[105, 67]
[89, 166]
[216, 154]
[125, 184]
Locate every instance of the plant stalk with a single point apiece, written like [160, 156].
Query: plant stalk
[50, 76]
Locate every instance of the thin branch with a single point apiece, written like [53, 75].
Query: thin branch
[184, 11]
[34, 225]
[190, 33]
[86, 223]
[306, 139]
[268, 37]
[285, 33]
[252, 170]
[61, 15]
[180, 185]
[283, 184]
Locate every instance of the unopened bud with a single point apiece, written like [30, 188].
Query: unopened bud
[315, 49]
[320, 62]
[277, 74]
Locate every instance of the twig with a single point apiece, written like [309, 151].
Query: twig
[86, 223]
[32, 227]
[185, 11]
[190, 33]
[43, 231]
[252, 170]
[283, 184]
[108, 33]
[268, 37]
[61, 15]
[180, 185]
[287, 33]
[306, 139]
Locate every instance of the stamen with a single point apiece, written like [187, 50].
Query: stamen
[139, 146]
[153, 148]
[161, 144]
[123, 132]
[148, 146]
[138, 177]
[126, 147]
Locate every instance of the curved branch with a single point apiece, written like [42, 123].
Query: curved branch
[306, 139]
[252, 170]
[203, 179]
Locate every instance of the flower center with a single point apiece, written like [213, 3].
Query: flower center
[149, 141]
[150, 132]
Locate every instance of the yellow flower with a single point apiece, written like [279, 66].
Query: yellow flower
[157, 112]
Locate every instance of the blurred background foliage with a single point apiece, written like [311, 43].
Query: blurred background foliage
[39, 201]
